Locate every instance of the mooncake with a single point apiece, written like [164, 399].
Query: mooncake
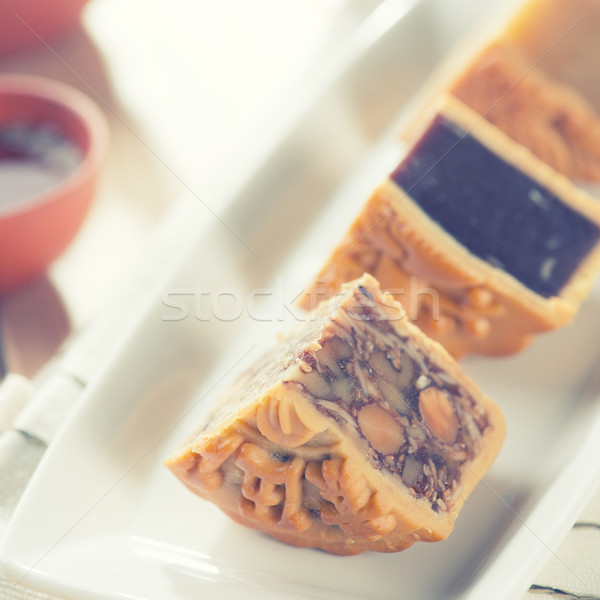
[355, 433]
[483, 243]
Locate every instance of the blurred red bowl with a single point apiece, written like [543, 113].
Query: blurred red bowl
[36, 229]
[25, 23]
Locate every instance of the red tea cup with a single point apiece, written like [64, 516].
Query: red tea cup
[26, 24]
[36, 229]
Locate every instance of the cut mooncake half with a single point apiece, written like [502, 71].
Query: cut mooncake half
[549, 118]
[532, 72]
[561, 36]
[356, 433]
[483, 243]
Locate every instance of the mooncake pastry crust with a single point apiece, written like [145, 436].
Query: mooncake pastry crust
[329, 451]
[561, 37]
[549, 118]
[531, 71]
[465, 303]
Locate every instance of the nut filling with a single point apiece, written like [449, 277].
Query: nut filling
[357, 433]
[417, 422]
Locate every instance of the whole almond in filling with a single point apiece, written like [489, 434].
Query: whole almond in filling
[438, 413]
[380, 428]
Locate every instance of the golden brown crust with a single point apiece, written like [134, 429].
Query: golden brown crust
[283, 465]
[532, 72]
[562, 37]
[348, 513]
[458, 300]
[550, 119]
[437, 294]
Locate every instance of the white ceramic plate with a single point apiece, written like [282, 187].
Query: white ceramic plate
[102, 518]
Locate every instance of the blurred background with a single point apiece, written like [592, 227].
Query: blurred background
[183, 85]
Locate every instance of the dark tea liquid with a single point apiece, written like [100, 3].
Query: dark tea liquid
[33, 160]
